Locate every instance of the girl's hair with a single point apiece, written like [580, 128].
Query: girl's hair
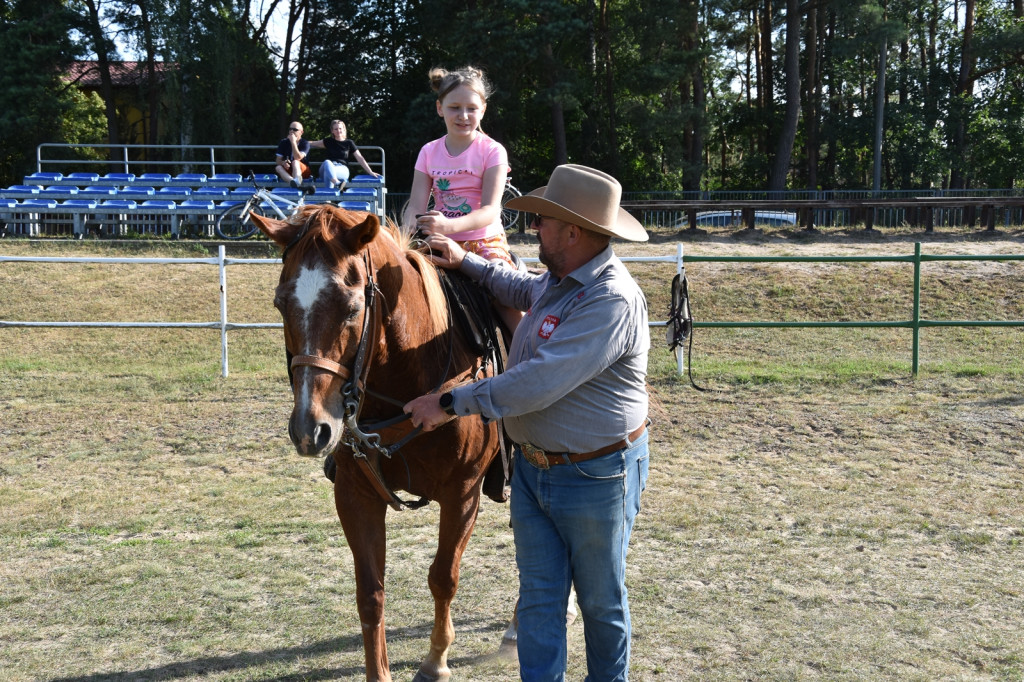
[442, 81]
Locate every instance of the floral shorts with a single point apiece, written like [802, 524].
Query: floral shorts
[491, 248]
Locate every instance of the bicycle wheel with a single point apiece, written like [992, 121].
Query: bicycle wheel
[509, 216]
[234, 222]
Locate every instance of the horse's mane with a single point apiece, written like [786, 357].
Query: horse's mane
[322, 226]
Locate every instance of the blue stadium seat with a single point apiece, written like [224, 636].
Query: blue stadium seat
[266, 177]
[197, 203]
[60, 190]
[8, 203]
[160, 204]
[122, 204]
[83, 177]
[41, 177]
[32, 189]
[79, 203]
[176, 192]
[118, 178]
[288, 193]
[155, 178]
[354, 206]
[242, 192]
[366, 180]
[98, 192]
[358, 194]
[324, 194]
[190, 178]
[225, 177]
[135, 192]
[212, 191]
[37, 203]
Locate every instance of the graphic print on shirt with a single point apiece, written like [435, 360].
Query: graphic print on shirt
[452, 205]
[547, 327]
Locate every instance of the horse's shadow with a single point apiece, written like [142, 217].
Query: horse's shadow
[255, 659]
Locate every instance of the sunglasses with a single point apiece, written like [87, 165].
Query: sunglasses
[295, 130]
[538, 219]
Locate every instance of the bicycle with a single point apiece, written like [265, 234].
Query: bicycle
[509, 216]
[234, 222]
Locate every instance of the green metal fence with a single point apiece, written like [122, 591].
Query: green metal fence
[915, 323]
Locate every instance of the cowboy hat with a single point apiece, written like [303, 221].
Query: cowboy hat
[583, 196]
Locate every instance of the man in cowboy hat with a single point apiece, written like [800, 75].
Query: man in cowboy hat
[574, 399]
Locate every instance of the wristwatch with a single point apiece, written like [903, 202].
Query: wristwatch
[448, 403]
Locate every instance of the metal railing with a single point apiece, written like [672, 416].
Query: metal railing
[915, 323]
[188, 158]
[221, 261]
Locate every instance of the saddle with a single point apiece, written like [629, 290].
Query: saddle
[473, 315]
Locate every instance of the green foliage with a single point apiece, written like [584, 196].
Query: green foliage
[664, 94]
[35, 49]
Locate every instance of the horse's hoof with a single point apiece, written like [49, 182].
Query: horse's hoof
[420, 677]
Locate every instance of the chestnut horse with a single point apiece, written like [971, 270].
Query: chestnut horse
[366, 327]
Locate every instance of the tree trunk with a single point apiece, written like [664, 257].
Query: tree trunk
[557, 110]
[959, 104]
[879, 116]
[102, 47]
[604, 40]
[813, 101]
[787, 135]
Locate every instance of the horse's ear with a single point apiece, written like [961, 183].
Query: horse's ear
[361, 234]
[278, 231]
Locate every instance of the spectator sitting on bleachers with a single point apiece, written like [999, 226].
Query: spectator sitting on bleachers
[290, 154]
[334, 170]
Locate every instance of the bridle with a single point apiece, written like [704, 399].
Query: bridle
[363, 438]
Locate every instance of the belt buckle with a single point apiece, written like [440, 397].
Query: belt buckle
[535, 456]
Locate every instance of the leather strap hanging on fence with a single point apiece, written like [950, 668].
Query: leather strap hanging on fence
[679, 328]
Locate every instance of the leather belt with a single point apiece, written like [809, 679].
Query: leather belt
[546, 460]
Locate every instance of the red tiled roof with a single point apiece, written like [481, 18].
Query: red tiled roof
[87, 73]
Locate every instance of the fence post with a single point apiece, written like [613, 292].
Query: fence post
[917, 306]
[223, 312]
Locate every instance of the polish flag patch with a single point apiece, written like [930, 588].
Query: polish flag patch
[548, 326]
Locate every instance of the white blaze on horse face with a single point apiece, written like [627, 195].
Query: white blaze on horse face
[310, 283]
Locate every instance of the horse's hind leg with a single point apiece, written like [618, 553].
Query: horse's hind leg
[456, 526]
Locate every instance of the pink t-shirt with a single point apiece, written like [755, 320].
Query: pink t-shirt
[457, 181]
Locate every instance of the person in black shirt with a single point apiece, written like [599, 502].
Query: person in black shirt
[334, 170]
[291, 152]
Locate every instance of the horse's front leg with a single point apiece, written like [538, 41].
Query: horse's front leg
[362, 519]
[457, 520]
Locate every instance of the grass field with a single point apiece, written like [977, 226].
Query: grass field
[817, 513]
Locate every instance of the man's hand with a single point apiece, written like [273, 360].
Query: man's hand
[444, 252]
[426, 411]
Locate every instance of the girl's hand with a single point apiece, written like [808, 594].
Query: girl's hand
[432, 221]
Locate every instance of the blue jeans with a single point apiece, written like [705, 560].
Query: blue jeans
[572, 524]
[333, 173]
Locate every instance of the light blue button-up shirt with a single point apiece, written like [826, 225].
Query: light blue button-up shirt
[576, 379]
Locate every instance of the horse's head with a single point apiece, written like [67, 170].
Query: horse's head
[322, 299]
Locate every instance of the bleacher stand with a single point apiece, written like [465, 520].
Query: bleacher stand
[55, 203]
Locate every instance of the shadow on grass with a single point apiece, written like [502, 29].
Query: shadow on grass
[250, 659]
